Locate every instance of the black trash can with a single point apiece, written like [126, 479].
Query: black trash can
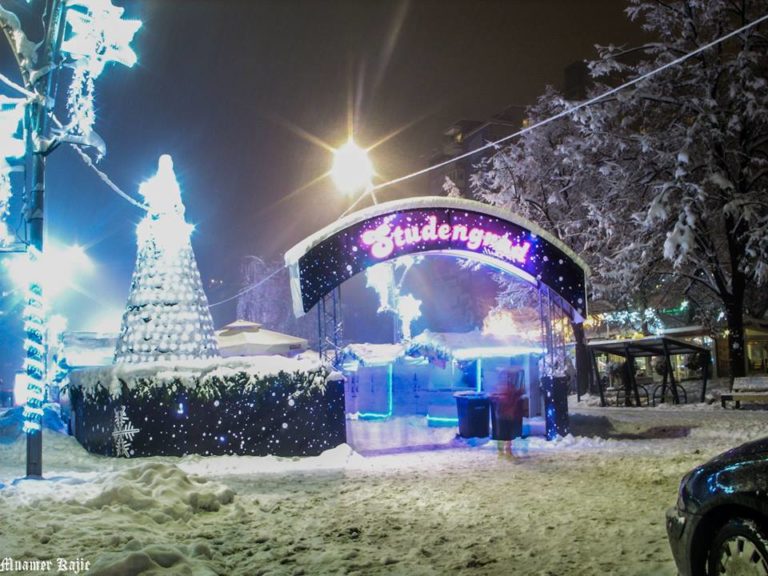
[555, 406]
[472, 408]
[506, 415]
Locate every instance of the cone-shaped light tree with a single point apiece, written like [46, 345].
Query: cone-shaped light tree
[167, 316]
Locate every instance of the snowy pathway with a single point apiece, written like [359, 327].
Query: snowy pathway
[593, 504]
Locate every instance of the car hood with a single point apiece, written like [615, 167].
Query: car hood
[747, 451]
[738, 474]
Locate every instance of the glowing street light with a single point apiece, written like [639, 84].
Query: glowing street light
[55, 270]
[82, 35]
[352, 170]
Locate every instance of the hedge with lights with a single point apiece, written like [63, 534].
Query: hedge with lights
[297, 413]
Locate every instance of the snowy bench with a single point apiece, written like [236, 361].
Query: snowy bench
[747, 389]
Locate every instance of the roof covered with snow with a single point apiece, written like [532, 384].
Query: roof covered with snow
[243, 338]
[374, 354]
[89, 348]
[470, 345]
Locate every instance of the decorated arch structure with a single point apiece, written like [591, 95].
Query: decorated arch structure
[465, 228]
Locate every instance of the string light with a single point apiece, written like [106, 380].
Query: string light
[34, 346]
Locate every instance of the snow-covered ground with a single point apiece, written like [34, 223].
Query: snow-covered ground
[592, 503]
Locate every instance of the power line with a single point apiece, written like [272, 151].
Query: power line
[527, 129]
[572, 109]
[247, 288]
[105, 178]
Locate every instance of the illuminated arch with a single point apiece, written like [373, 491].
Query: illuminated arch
[457, 226]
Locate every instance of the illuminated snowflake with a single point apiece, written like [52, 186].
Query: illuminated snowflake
[123, 433]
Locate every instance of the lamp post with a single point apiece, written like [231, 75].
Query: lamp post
[87, 34]
[352, 173]
[37, 125]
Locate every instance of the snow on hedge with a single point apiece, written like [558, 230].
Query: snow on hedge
[203, 376]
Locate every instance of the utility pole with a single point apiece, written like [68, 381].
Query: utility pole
[97, 34]
[37, 150]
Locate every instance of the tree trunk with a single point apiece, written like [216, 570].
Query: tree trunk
[737, 353]
[583, 365]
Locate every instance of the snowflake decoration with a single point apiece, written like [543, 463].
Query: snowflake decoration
[123, 433]
[96, 34]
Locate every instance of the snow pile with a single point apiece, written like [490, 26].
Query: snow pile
[343, 456]
[137, 559]
[124, 523]
[162, 491]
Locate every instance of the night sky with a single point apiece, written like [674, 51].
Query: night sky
[227, 87]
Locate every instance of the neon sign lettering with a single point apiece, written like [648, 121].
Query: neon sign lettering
[383, 240]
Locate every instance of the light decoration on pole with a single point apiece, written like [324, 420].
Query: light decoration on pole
[11, 148]
[352, 171]
[89, 33]
[96, 34]
[37, 275]
[34, 345]
[167, 316]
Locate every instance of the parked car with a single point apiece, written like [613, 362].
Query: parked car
[720, 522]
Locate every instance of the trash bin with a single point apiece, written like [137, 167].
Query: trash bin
[472, 408]
[555, 406]
[506, 415]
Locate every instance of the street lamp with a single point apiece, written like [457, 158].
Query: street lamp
[81, 35]
[352, 170]
[352, 173]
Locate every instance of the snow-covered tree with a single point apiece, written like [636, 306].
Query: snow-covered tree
[266, 299]
[544, 176]
[662, 188]
[269, 301]
[167, 316]
[700, 130]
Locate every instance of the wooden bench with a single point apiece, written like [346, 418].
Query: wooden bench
[747, 389]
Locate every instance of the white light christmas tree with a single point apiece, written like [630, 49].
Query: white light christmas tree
[167, 316]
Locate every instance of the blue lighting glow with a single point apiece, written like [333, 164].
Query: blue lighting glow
[719, 482]
[388, 413]
[479, 375]
[442, 420]
[34, 343]
[495, 352]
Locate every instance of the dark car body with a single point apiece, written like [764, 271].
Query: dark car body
[731, 485]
